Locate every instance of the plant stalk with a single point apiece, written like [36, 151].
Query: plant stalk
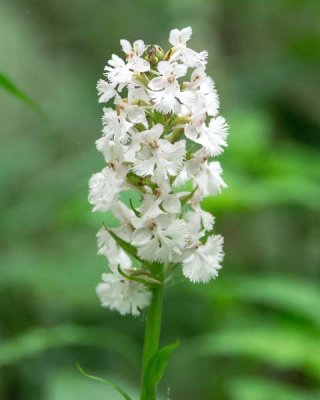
[151, 339]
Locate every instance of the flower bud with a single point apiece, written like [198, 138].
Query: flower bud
[154, 54]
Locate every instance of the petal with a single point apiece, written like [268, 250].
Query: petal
[141, 65]
[174, 37]
[125, 45]
[164, 67]
[219, 126]
[105, 91]
[171, 204]
[136, 115]
[149, 250]
[139, 47]
[157, 130]
[185, 34]
[157, 83]
[141, 237]
[191, 132]
[180, 70]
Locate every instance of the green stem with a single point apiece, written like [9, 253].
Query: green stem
[151, 339]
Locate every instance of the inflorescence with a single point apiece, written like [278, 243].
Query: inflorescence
[159, 139]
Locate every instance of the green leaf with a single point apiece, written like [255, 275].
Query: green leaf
[297, 297]
[290, 295]
[10, 87]
[130, 249]
[155, 370]
[125, 245]
[40, 340]
[136, 212]
[140, 277]
[113, 385]
[283, 347]
[184, 199]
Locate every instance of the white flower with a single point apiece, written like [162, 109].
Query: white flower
[145, 142]
[131, 112]
[108, 247]
[121, 73]
[136, 91]
[158, 157]
[105, 91]
[206, 220]
[165, 89]
[161, 239]
[118, 72]
[189, 57]
[116, 126]
[104, 187]
[206, 175]
[206, 99]
[205, 261]
[212, 137]
[198, 222]
[133, 55]
[154, 205]
[123, 295]
[113, 152]
[126, 218]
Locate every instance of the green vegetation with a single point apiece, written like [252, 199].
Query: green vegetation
[254, 333]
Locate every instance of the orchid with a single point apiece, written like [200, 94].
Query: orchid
[159, 136]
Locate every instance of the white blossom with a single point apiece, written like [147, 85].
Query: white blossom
[212, 137]
[206, 98]
[116, 127]
[160, 137]
[156, 156]
[105, 91]
[120, 72]
[134, 55]
[205, 175]
[165, 89]
[108, 247]
[104, 188]
[154, 205]
[189, 57]
[126, 218]
[122, 295]
[205, 261]
[161, 239]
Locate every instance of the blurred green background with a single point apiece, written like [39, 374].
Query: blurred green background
[254, 333]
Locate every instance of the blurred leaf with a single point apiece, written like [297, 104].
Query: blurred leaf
[279, 292]
[66, 384]
[156, 368]
[287, 294]
[263, 173]
[10, 87]
[248, 388]
[281, 347]
[113, 385]
[40, 340]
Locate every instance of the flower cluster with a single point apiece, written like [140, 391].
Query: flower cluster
[158, 139]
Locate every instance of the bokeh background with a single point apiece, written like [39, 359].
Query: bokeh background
[254, 333]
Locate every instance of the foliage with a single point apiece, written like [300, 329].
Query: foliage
[253, 334]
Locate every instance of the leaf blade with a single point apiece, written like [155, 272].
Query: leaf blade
[11, 88]
[155, 370]
[98, 379]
